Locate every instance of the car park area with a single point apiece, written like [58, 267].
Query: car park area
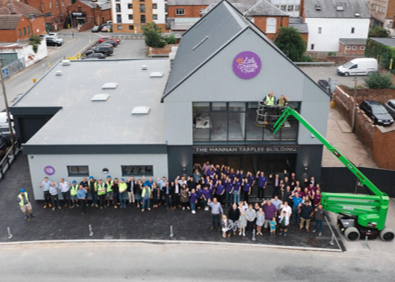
[125, 50]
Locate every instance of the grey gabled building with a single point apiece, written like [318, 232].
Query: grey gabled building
[204, 108]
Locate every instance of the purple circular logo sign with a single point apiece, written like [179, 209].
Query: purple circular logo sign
[247, 65]
[49, 170]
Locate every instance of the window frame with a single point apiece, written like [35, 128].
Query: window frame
[130, 17]
[155, 6]
[141, 19]
[274, 20]
[77, 174]
[142, 8]
[123, 170]
[180, 11]
[154, 17]
[130, 6]
[353, 30]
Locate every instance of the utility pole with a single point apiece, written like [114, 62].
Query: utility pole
[354, 111]
[72, 24]
[6, 104]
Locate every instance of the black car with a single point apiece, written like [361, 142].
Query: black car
[96, 55]
[96, 29]
[331, 83]
[4, 142]
[376, 112]
[106, 50]
[106, 44]
[51, 41]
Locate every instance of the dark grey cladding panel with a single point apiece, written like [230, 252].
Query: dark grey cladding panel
[33, 111]
[94, 149]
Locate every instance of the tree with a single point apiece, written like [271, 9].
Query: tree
[171, 39]
[153, 36]
[378, 31]
[378, 80]
[291, 42]
[34, 40]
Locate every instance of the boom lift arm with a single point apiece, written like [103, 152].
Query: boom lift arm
[371, 210]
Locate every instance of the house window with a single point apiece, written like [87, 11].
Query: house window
[20, 32]
[320, 30]
[142, 8]
[130, 17]
[63, 3]
[56, 3]
[362, 48]
[78, 170]
[119, 27]
[271, 25]
[180, 12]
[166, 8]
[141, 0]
[312, 46]
[24, 31]
[28, 30]
[283, 8]
[154, 6]
[297, 7]
[70, 2]
[354, 47]
[348, 48]
[130, 6]
[119, 18]
[137, 170]
[79, 9]
[353, 30]
[131, 27]
[42, 6]
[118, 8]
[50, 4]
[142, 18]
[154, 17]
[290, 8]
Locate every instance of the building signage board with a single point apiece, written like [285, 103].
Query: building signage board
[247, 65]
[49, 170]
[78, 14]
[244, 149]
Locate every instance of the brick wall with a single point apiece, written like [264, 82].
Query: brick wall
[13, 35]
[378, 140]
[38, 25]
[55, 15]
[260, 21]
[192, 11]
[343, 49]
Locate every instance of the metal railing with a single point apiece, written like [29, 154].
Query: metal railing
[13, 68]
[9, 158]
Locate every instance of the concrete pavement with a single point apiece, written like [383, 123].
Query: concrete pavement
[103, 261]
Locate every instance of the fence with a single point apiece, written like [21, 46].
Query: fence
[13, 68]
[341, 180]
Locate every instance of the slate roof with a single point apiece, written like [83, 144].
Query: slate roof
[353, 41]
[329, 9]
[8, 7]
[9, 22]
[384, 40]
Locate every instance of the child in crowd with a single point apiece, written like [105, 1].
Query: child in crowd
[242, 223]
[283, 223]
[225, 226]
[273, 226]
[260, 219]
[193, 200]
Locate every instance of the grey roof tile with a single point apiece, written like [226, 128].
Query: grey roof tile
[329, 9]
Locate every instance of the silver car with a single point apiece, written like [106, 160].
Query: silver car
[390, 106]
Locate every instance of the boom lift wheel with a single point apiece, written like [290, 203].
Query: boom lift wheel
[387, 235]
[352, 234]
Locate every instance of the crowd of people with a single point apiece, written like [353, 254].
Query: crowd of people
[210, 186]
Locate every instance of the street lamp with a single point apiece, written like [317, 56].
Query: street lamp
[6, 103]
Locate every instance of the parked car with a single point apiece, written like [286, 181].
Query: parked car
[106, 44]
[106, 50]
[361, 66]
[4, 142]
[390, 106]
[106, 28]
[106, 38]
[96, 56]
[55, 34]
[110, 42]
[376, 112]
[53, 41]
[96, 29]
[331, 83]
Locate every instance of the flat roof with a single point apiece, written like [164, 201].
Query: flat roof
[384, 40]
[353, 41]
[82, 121]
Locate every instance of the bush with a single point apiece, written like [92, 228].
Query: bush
[378, 80]
[308, 59]
[34, 40]
[153, 36]
[378, 31]
[171, 39]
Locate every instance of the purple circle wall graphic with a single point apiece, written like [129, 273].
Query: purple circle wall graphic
[247, 65]
[49, 170]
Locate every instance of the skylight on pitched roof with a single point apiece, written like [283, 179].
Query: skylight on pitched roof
[339, 8]
[200, 43]
[110, 85]
[100, 97]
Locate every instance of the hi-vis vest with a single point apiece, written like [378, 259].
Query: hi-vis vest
[101, 189]
[109, 185]
[21, 199]
[282, 102]
[122, 187]
[74, 190]
[269, 101]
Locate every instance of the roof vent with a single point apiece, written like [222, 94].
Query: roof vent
[156, 74]
[144, 67]
[66, 63]
[339, 8]
[140, 110]
[58, 73]
[357, 15]
[100, 97]
[317, 7]
[200, 43]
[110, 85]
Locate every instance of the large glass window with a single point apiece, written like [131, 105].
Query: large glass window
[137, 170]
[238, 122]
[78, 170]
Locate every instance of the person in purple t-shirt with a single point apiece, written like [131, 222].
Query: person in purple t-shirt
[236, 190]
[260, 175]
[228, 191]
[219, 191]
[193, 200]
[270, 212]
[251, 180]
[206, 195]
[246, 189]
[199, 193]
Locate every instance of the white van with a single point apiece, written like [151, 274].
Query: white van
[362, 66]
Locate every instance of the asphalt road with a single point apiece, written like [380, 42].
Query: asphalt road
[124, 261]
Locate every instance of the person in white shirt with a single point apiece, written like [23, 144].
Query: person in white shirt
[287, 209]
[47, 196]
[64, 187]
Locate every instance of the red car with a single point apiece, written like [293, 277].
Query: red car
[105, 38]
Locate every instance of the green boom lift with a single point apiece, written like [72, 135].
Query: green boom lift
[359, 214]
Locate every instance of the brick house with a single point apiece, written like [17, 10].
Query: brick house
[352, 46]
[382, 13]
[182, 14]
[19, 21]
[54, 11]
[87, 14]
